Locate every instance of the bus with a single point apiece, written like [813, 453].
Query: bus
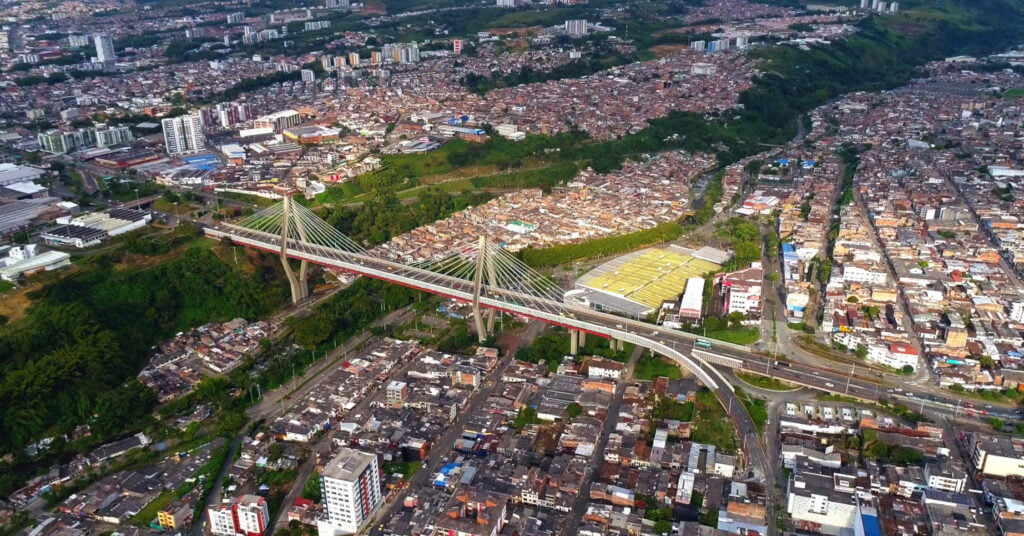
[701, 343]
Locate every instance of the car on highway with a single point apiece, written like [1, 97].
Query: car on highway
[829, 384]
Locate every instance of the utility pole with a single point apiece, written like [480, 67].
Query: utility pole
[850, 377]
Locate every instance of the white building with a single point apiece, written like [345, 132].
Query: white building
[222, 520]
[248, 516]
[278, 120]
[183, 135]
[820, 506]
[996, 455]
[600, 369]
[869, 275]
[576, 27]
[351, 489]
[944, 478]
[252, 514]
[26, 260]
[741, 290]
[104, 48]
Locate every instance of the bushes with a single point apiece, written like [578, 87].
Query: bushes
[600, 247]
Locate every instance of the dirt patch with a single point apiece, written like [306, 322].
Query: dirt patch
[15, 303]
[667, 50]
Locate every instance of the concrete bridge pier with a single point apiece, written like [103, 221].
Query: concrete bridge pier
[583, 338]
[574, 341]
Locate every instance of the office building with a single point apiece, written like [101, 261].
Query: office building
[183, 134]
[104, 48]
[351, 490]
[576, 27]
[236, 18]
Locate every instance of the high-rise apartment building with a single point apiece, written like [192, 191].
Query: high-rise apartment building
[248, 516]
[104, 48]
[351, 489]
[184, 134]
[576, 27]
[236, 18]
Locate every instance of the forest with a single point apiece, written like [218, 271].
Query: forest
[72, 359]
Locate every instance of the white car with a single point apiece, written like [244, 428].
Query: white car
[829, 384]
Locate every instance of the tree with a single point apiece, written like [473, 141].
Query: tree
[861, 351]
[573, 410]
[275, 451]
[986, 361]
[852, 299]
[996, 423]
[908, 369]
[662, 527]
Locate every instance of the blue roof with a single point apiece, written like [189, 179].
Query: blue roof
[200, 158]
[782, 161]
[871, 527]
[788, 246]
[448, 468]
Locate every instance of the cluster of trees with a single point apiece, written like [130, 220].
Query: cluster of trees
[350, 311]
[552, 346]
[574, 69]
[252, 84]
[545, 178]
[745, 239]
[896, 454]
[599, 247]
[385, 216]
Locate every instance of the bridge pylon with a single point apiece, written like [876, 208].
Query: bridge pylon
[297, 281]
[484, 276]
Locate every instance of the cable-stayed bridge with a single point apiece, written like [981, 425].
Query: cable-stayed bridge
[491, 280]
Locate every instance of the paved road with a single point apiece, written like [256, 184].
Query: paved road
[575, 518]
[443, 447]
[199, 527]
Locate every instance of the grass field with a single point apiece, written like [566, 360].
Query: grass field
[1015, 93]
[148, 513]
[764, 382]
[652, 366]
[712, 425]
[736, 336]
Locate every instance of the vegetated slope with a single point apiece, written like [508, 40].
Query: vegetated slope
[67, 361]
